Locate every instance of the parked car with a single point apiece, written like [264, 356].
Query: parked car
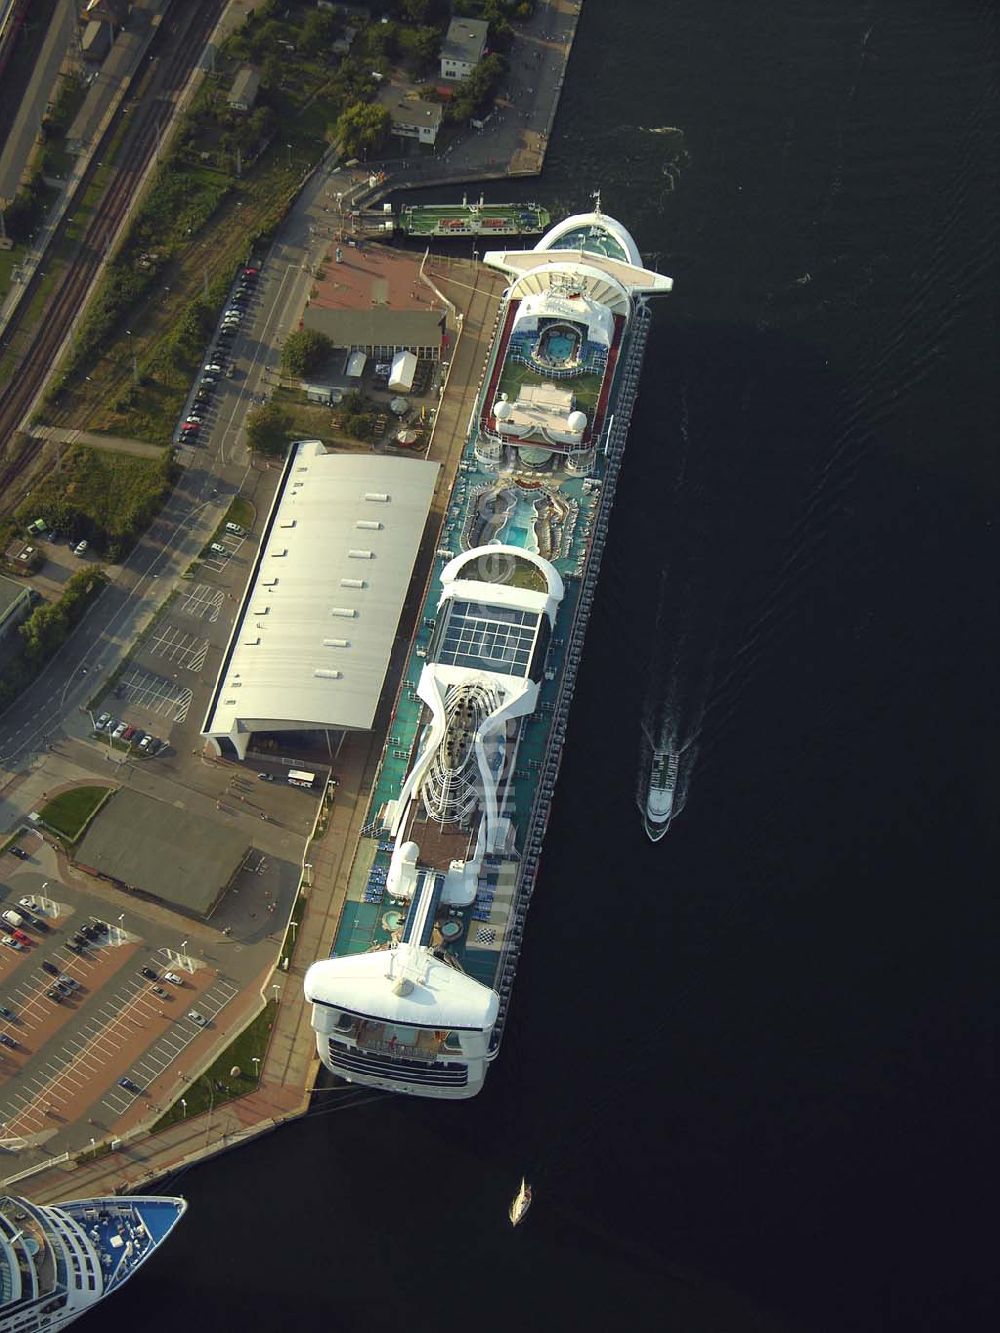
[193, 420]
[217, 549]
[103, 721]
[119, 731]
[6, 1040]
[11, 942]
[68, 983]
[20, 936]
[129, 1086]
[173, 978]
[19, 852]
[9, 1014]
[88, 930]
[80, 548]
[101, 927]
[266, 777]
[155, 746]
[251, 271]
[213, 368]
[79, 940]
[56, 995]
[236, 530]
[73, 946]
[190, 428]
[148, 972]
[128, 733]
[163, 994]
[50, 968]
[35, 922]
[198, 1018]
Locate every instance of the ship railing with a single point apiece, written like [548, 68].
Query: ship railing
[617, 434]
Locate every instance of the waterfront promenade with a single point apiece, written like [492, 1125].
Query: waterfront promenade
[514, 144]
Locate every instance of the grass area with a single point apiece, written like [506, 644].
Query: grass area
[243, 512]
[585, 389]
[218, 1084]
[102, 497]
[69, 813]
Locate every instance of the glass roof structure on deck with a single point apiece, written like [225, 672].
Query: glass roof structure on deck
[488, 638]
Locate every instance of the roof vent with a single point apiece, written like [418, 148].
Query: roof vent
[378, 497]
[372, 525]
[360, 555]
[283, 550]
[336, 643]
[327, 675]
[347, 611]
[352, 583]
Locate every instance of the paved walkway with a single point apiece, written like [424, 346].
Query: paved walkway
[112, 443]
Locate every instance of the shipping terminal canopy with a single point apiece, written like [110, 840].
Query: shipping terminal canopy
[314, 633]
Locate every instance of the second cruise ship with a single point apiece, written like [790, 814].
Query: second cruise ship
[415, 998]
[57, 1262]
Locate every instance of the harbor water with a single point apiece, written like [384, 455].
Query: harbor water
[747, 1070]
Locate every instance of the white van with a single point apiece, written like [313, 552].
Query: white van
[12, 918]
[236, 530]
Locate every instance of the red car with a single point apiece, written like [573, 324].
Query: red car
[20, 935]
[128, 733]
[190, 428]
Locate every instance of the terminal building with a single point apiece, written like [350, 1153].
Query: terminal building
[313, 637]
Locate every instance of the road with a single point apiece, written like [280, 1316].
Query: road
[24, 131]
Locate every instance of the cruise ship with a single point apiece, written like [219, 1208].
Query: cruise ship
[415, 997]
[57, 1262]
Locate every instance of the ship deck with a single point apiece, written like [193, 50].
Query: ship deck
[371, 919]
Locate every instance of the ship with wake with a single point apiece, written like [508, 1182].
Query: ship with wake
[417, 992]
[59, 1261]
[658, 792]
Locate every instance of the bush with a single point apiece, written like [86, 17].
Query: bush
[305, 351]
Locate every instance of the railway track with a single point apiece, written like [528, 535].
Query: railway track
[177, 45]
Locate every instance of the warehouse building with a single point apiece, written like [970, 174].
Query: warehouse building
[313, 636]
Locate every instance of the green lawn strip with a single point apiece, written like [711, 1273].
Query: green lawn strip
[218, 1084]
[69, 813]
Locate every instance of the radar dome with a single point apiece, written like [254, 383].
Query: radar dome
[576, 421]
[502, 410]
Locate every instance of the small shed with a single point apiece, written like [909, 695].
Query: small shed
[404, 367]
[322, 393]
[355, 367]
[245, 87]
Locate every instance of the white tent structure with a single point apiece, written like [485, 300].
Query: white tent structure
[404, 367]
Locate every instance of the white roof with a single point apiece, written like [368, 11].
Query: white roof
[363, 983]
[312, 641]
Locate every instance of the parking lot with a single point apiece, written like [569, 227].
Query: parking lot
[217, 561]
[67, 1042]
[164, 698]
[177, 646]
[202, 602]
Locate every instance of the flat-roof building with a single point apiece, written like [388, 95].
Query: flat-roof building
[15, 604]
[380, 332]
[410, 116]
[245, 88]
[314, 634]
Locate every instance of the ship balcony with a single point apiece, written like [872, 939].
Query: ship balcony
[397, 1041]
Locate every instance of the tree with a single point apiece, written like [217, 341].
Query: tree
[318, 33]
[361, 129]
[305, 351]
[268, 428]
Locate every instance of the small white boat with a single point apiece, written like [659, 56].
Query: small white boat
[520, 1203]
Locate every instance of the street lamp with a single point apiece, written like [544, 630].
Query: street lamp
[184, 1107]
[277, 991]
[256, 1064]
[294, 925]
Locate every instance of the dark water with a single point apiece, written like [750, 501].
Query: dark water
[750, 1069]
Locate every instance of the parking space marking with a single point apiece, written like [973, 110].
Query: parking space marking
[157, 695]
[203, 602]
[185, 650]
